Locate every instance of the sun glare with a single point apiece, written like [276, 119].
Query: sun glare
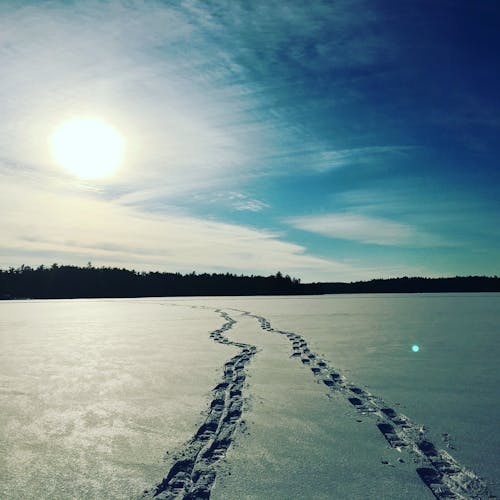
[87, 147]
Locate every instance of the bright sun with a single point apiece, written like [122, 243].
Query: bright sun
[87, 147]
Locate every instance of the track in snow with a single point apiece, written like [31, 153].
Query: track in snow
[442, 474]
[193, 474]
[194, 471]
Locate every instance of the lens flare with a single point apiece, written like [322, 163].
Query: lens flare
[415, 348]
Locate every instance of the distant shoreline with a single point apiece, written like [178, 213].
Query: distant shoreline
[68, 282]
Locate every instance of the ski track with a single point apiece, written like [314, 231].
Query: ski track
[440, 472]
[193, 473]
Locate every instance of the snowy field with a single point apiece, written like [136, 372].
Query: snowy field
[250, 397]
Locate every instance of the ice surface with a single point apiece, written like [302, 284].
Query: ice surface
[451, 386]
[95, 392]
[302, 444]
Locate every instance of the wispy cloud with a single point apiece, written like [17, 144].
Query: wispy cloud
[453, 215]
[364, 229]
[323, 35]
[78, 229]
[178, 82]
[328, 159]
[250, 205]
[231, 201]
[142, 67]
[243, 202]
[220, 101]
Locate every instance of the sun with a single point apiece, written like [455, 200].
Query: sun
[88, 147]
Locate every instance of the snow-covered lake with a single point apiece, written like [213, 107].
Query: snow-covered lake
[324, 397]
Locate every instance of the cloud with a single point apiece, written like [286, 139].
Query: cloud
[294, 38]
[250, 205]
[80, 228]
[141, 66]
[328, 159]
[177, 81]
[460, 218]
[364, 229]
[211, 98]
[243, 202]
[231, 201]
[42, 224]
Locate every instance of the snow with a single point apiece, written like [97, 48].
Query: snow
[101, 397]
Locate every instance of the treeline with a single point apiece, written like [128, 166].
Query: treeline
[90, 282]
[409, 285]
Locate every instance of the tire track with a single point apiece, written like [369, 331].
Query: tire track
[439, 471]
[194, 471]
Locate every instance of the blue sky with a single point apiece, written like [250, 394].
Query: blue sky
[329, 140]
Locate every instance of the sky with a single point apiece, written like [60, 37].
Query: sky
[332, 141]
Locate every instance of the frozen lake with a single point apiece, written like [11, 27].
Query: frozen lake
[100, 397]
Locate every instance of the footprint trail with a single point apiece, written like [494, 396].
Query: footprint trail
[440, 472]
[194, 471]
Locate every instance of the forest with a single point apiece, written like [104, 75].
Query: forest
[64, 281]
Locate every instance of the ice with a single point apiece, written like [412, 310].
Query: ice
[94, 393]
[100, 398]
